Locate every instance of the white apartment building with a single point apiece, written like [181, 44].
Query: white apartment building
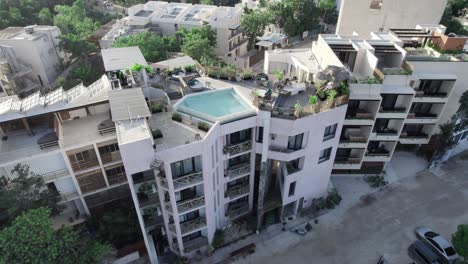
[401, 90]
[38, 48]
[365, 16]
[167, 18]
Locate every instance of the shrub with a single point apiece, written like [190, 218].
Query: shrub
[330, 94]
[156, 133]
[344, 88]
[189, 68]
[247, 75]
[203, 126]
[156, 108]
[313, 99]
[218, 238]
[376, 181]
[176, 117]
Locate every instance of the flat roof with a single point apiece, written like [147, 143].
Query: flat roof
[174, 63]
[128, 104]
[122, 58]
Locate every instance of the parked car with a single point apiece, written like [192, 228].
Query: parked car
[439, 244]
[422, 254]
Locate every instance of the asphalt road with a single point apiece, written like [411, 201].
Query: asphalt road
[381, 223]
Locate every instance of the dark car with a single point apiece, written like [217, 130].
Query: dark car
[438, 244]
[422, 254]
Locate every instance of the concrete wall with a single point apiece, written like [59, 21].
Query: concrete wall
[357, 16]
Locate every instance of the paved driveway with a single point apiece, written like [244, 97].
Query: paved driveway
[379, 224]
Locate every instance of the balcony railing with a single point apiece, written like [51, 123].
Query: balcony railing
[237, 210]
[83, 165]
[190, 204]
[420, 93]
[190, 225]
[392, 110]
[354, 139]
[188, 179]
[111, 157]
[51, 176]
[237, 190]
[347, 160]
[239, 148]
[360, 115]
[238, 170]
[386, 132]
[235, 32]
[238, 44]
[422, 115]
[413, 135]
[378, 152]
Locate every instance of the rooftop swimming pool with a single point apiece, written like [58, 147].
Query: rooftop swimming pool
[220, 105]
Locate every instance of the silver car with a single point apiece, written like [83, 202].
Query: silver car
[435, 241]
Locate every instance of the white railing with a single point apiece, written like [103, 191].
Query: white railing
[236, 191]
[238, 170]
[189, 179]
[185, 206]
[239, 148]
[55, 175]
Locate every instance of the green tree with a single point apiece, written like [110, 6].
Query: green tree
[207, 2]
[85, 72]
[445, 136]
[25, 191]
[76, 26]
[45, 17]
[198, 43]
[294, 16]
[448, 20]
[326, 6]
[32, 239]
[460, 241]
[153, 47]
[253, 23]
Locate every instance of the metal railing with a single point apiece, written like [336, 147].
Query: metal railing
[347, 160]
[239, 148]
[111, 157]
[392, 110]
[195, 202]
[83, 165]
[190, 225]
[360, 115]
[237, 211]
[378, 152]
[354, 139]
[188, 179]
[238, 170]
[238, 44]
[237, 190]
[55, 175]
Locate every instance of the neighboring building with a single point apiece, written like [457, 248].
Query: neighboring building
[37, 47]
[402, 90]
[167, 18]
[365, 16]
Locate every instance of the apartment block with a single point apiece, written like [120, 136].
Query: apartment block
[361, 17]
[167, 18]
[38, 48]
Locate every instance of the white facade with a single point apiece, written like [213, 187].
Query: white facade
[38, 47]
[366, 16]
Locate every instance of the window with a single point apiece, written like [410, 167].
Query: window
[293, 166]
[186, 166]
[189, 216]
[186, 194]
[325, 155]
[295, 142]
[430, 86]
[82, 156]
[292, 189]
[109, 148]
[239, 160]
[330, 132]
[376, 4]
[239, 136]
[259, 137]
[465, 135]
[116, 175]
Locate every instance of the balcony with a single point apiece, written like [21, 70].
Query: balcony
[144, 177]
[111, 157]
[55, 175]
[361, 117]
[190, 204]
[235, 32]
[87, 129]
[238, 44]
[414, 138]
[353, 141]
[392, 110]
[237, 210]
[147, 199]
[190, 226]
[84, 165]
[238, 148]
[421, 118]
[238, 170]
[347, 163]
[187, 180]
[426, 97]
[196, 243]
[378, 152]
[237, 191]
[117, 178]
[66, 197]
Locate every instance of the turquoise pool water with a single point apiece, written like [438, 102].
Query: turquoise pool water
[217, 103]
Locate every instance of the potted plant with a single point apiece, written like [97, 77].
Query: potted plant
[312, 99]
[203, 126]
[297, 109]
[156, 108]
[176, 117]
[321, 95]
[330, 94]
[156, 133]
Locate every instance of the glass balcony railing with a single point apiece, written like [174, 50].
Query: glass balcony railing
[239, 148]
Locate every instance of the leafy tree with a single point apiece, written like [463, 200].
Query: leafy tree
[207, 2]
[457, 6]
[25, 191]
[119, 227]
[153, 47]
[460, 241]
[448, 20]
[326, 6]
[198, 43]
[253, 23]
[85, 72]
[445, 136]
[464, 104]
[32, 239]
[76, 26]
[45, 17]
[294, 16]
